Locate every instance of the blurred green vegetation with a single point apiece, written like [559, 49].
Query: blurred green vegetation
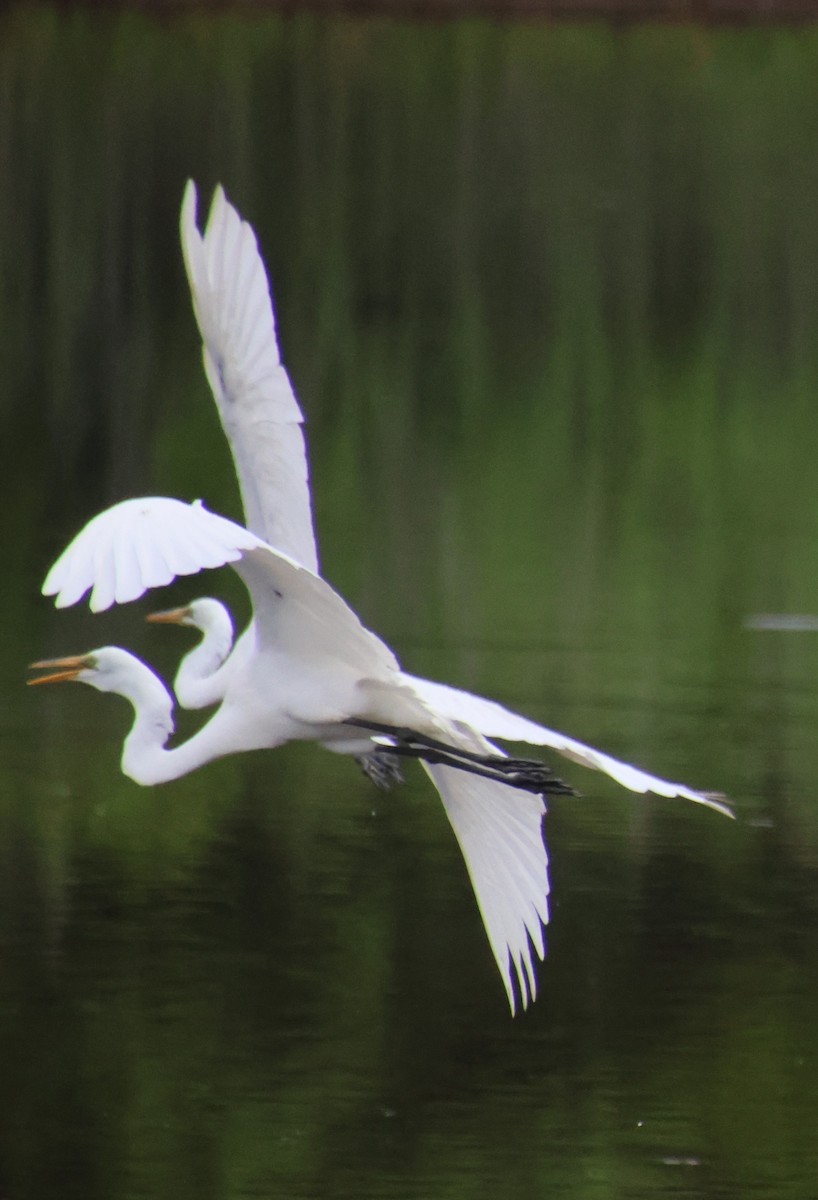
[547, 295]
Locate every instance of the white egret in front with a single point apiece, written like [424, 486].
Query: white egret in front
[306, 667]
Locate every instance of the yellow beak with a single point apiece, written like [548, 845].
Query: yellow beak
[61, 669]
[169, 616]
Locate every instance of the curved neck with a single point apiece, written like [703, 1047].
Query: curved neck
[201, 680]
[145, 758]
[143, 750]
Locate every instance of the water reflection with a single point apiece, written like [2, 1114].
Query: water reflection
[783, 622]
[547, 295]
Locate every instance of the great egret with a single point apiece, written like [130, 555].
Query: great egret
[306, 668]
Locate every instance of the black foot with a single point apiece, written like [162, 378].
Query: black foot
[382, 767]
[532, 776]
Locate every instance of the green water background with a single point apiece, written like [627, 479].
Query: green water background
[548, 297]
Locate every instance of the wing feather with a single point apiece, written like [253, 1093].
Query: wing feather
[146, 543]
[142, 544]
[494, 721]
[499, 831]
[126, 568]
[257, 406]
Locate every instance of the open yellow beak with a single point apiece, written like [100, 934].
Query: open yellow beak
[60, 669]
[169, 616]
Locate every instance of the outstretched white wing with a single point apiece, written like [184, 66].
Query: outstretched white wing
[146, 543]
[495, 721]
[256, 402]
[499, 830]
[142, 544]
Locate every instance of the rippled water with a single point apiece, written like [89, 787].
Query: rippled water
[547, 297]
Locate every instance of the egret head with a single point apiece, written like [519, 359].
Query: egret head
[103, 669]
[204, 614]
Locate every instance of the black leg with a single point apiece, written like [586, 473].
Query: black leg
[526, 773]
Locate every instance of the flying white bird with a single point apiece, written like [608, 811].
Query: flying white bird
[306, 668]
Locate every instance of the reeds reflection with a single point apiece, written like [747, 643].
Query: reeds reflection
[547, 296]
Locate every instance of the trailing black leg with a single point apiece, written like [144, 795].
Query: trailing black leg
[529, 774]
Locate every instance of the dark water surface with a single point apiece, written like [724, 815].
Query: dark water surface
[548, 297]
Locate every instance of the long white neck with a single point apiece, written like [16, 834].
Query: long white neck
[145, 758]
[203, 673]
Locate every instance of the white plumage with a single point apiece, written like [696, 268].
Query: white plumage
[258, 409]
[306, 666]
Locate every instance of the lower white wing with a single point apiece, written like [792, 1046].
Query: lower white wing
[495, 721]
[499, 830]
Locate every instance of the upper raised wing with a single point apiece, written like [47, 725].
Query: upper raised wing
[494, 721]
[257, 406]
